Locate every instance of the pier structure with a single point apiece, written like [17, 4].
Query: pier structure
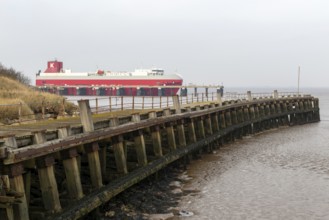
[66, 172]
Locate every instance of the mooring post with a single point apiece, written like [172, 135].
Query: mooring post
[170, 131]
[176, 102]
[139, 143]
[275, 94]
[249, 98]
[85, 115]
[219, 99]
[156, 137]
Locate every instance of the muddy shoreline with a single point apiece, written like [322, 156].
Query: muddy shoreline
[157, 197]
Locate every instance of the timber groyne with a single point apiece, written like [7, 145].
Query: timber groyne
[70, 171]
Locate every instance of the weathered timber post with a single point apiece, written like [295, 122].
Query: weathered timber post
[191, 130]
[200, 126]
[15, 173]
[92, 149]
[14, 179]
[156, 136]
[47, 178]
[275, 94]
[249, 98]
[170, 131]
[222, 120]
[118, 148]
[119, 154]
[71, 167]
[85, 115]
[181, 133]
[219, 99]
[214, 119]
[176, 102]
[48, 184]
[234, 117]
[72, 173]
[139, 143]
[208, 123]
[228, 118]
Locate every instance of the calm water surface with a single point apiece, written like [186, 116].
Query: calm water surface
[278, 174]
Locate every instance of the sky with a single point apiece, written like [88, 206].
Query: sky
[237, 43]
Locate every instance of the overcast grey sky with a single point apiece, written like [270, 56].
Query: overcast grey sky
[234, 42]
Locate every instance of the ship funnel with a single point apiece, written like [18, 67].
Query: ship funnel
[54, 67]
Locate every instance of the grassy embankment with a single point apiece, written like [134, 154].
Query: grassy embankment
[13, 93]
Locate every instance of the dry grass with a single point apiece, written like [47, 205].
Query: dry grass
[13, 92]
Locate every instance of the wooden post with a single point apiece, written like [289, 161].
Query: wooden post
[170, 131]
[214, 120]
[110, 103]
[208, 123]
[85, 115]
[121, 103]
[96, 105]
[156, 137]
[249, 98]
[47, 178]
[15, 172]
[92, 151]
[139, 143]
[176, 104]
[275, 94]
[72, 173]
[143, 99]
[161, 101]
[133, 105]
[167, 101]
[48, 184]
[191, 129]
[228, 118]
[222, 120]
[181, 133]
[201, 131]
[119, 154]
[219, 99]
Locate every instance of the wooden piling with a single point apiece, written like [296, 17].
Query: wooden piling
[170, 131]
[94, 164]
[139, 143]
[119, 154]
[48, 184]
[156, 137]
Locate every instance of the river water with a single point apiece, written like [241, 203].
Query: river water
[278, 174]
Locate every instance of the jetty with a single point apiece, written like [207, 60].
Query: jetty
[66, 169]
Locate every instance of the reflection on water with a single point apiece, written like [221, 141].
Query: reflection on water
[279, 174]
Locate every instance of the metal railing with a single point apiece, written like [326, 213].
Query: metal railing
[118, 103]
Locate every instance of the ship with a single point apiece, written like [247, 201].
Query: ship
[140, 82]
